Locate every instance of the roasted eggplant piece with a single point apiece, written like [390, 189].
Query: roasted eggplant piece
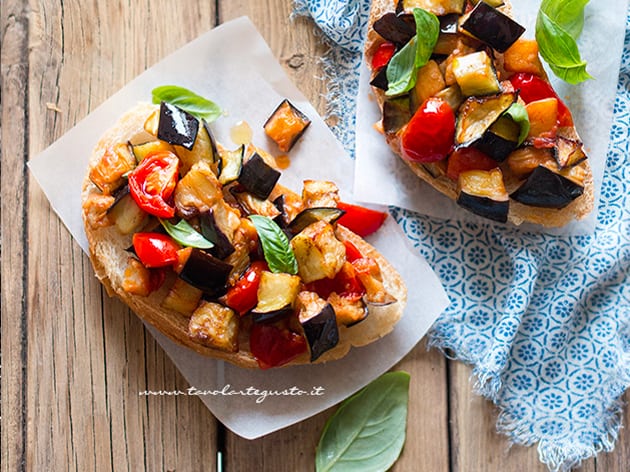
[547, 189]
[312, 215]
[320, 193]
[451, 95]
[489, 25]
[396, 114]
[477, 114]
[276, 296]
[449, 35]
[215, 325]
[177, 126]
[318, 252]
[206, 272]
[252, 205]
[483, 193]
[348, 310]
[108, 172]
[204, 149]
[258, 177]
[210, 230]
[398, 29]
[198, 191]
[369, 274]
[140, 151]
[568, 152]
[380, 79]
[286, 125]
[500, 139]
[475, 74]
[319, 323]
[437, 7]
[524, 160]
[231, 165]
[126, 214]
[182, 297]
[429, 82]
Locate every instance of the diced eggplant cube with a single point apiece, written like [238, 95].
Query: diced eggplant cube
[206, 272]
[568, 152]
[349, 311]
[483, 193]
[475, 74]
[177, 126]
[477, 114]
[380, 79]
[319, 323]
[547, 189]
[500, 139]
[491, 26]
[286, 125]
[320, 193]
[396, 114]
[318, 252]
[312, 215]
[215, 325]
[276, 296]
[222, 246]
[398, 29]
[231, 165]
[257, 177]
[182, 297]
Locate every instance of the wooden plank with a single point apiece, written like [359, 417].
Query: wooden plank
[13, 142]
[89, 357]
[475, 444]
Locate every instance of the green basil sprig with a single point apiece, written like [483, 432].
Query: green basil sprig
[367, 432]
[186, 235]
[402, 70]
[187, 100]
[518, 113]
[275, 244]
[558, 25]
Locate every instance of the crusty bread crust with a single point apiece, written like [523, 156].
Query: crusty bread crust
[107, 251]
[518, 213]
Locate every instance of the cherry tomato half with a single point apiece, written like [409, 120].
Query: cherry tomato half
[152, 183]
[532, 88]
[273, 346]
[155, 249]
[346, 283]
[428, 137]
[243, 296]
[383, 55]
[469, 158]
[360, 220]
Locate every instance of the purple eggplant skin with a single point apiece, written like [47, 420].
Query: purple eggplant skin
[398, 29]
[271, 316]
[396, 114]
[222, 246]
[213, 145]
[177, 126]
[313, 215]
[380, 79]
[119, 194]
[257, 177]
[484, 206]
[449, 23]
[546, 189]
[206, 272]
[321, 331]
[495, 146]
[494, 28]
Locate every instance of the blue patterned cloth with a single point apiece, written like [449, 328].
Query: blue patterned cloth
[544, 320]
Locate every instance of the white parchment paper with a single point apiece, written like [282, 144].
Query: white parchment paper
[233, 66]
[381, 177]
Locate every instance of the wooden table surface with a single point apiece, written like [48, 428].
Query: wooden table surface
[74, 360]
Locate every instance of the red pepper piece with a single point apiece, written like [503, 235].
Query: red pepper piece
[383, 55]
[242, 297]
[360, 220]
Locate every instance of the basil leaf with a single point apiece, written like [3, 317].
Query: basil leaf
[557, 45]
[402, 70]
[367, 432]
[518, 113]
[275, 244]
[186, 235]
[183, 98]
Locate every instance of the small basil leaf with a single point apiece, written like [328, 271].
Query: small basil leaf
[275, 244]
[187, 100]
[518, 113]
[558, 47]
[402, 70]
[186, 235]
[367, 432]
[568, 14]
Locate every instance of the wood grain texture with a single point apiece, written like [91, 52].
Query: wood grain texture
[13, 143]
[74, 360]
